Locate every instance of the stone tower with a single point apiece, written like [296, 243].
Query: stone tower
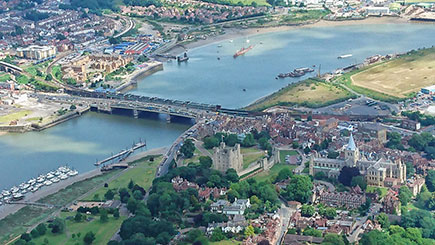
[225, 157]
[351, 153]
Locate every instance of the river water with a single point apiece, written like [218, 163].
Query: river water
[79, 142]
[206, 79]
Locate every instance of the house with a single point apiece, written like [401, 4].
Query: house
[219, 205]
[181, 184]
[342, 199]
[415, 185]
[410, 124]
[290, 239]
[391, 203]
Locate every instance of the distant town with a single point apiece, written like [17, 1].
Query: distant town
[343, 156]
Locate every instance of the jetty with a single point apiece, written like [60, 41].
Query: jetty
[123, 154]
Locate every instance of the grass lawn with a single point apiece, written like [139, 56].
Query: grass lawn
[309, 93]
[103, 231]
[18, 222]
[252, 157]
[142, 174]
[303, 15]
[225, 242]
[56, 70]
[14, 116]
[284, 153]
[384, 190]
[245, 150]
[273, 172]
[21, 79]
[5, 77]
[400, 77]
[194, 159]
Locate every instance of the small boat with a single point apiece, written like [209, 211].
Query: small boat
[63, 176]
[244, 90]
[218, 58]
[231, 40]
[6, 193]
[50, 176]
[73, 173]
[219, 46]
[31, 181]
[55, 180]
[247, 41]
[344, 56]
[14, 190]
[48, 182]
[18, 196]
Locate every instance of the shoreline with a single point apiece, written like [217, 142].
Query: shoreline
[234, 33]
[8, 209]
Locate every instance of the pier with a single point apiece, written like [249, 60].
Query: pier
[123, 154]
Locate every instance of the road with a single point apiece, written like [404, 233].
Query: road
[285, 214]
[354, 235]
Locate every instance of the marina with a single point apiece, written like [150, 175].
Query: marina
[17, 193]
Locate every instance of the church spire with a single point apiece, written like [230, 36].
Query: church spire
[351, 145]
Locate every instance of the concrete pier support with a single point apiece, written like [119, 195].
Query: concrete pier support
[168, 118]
[135, 113]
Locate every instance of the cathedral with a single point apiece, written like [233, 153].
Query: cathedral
[382, 172]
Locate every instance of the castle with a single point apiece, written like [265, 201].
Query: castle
[382, 172]
[225, 157]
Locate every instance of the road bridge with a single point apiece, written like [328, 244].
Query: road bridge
[7, 67]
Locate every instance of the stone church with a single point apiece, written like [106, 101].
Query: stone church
[382, 172]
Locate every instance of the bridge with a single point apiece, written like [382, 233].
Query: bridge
[123, 154]
[7, 67]
[140, 106]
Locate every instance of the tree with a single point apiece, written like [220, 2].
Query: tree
[249, 231]
[205, 162]
[109, 195]
[26, 237]
[132, 205]
[42, 229]
[299, 189]
[57, 226]
[137, 194]
[383, 220]
[49, 77]
[89, 237]
[231, 140]
[130, 184]
[232, 176]
[116, 213]
[307, 210]
[283, 174]
[430, 180]
[210, 142]
[78, 217]
[410, 171]
[320, 176]
[217, 235]
[187, 148]
[312, 232]
[333, 154]
[359, 181]
[346, 175]
[330, 213]
[103, 216]
[248, 141]
[405, 195]
[333, 239]
[375, 237]
[34, 233]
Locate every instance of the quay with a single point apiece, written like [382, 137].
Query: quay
[123, 154]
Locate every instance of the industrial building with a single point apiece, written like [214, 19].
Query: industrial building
[428, 90]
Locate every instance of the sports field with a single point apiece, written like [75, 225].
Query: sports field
[399, 77]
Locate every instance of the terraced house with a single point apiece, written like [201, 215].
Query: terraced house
[382, 172]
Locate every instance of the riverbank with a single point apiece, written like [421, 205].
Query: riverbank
[131, 81]
[49, 194]
[233, 33]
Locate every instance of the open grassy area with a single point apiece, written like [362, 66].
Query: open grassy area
[284, 153]
[5, 77]
[311, 93]
[17, 223]
[400, 77]
[303, 15]
[273, 172]
[56, 72]
[13, 116]
[225, 242]
[194, 159]
[252, 157]
[103, 231]
[142, 174]
[245, 150]
[371, 189]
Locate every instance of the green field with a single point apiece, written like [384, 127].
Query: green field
[401, 77]
[142, 174]
[103, 231]
[371, 189]
[226, 242]
[194, 159]
[284, 153]
[273, 172]
[6, 119]
[55, 70]
[5, 77]
[309, 93]
[303, 15]
[252, 157]
[18, 222]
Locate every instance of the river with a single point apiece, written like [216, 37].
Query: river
[78, 143]
[206, 79]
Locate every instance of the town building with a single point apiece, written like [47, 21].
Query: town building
[342, 199]
[225, 157]
[238, 207]
[391, 203]
[428, 90]
[36, 52]
[375, 172]
[370, 131]
[410, 124]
